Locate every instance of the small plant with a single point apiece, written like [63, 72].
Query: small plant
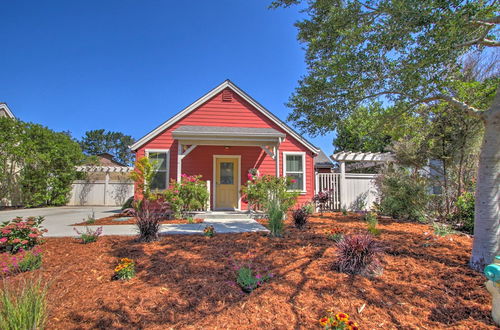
[209, 231]
[300, 217]
[149, 213]
[23, 261]
[31, 260]
[24, 305]
[372, 222]
[128, 203]
[89, 235]
[308, 208]
[335, 234]
[339, 321]
[344, 211]
[441, 229]
[90, 218]
[125, 270]
[275, 215]
[190, 219]
[322, 198]
[464, 215]
[20, 234]
[359, 254]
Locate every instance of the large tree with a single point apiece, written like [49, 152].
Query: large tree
[115, 143]
[406, 53]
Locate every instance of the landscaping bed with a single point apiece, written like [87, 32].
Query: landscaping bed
[112, 220]
[188, 281]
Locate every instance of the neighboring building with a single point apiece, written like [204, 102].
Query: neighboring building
[5, 111]
[107, 159]
[323, 163]
[223, 135]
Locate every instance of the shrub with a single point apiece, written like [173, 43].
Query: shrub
[403, 196]
[275, 215]
[125, 270]
[209, 231]
[23, 306]
[300, 217]
[464, 216]
[339, 321]
[308, 208]
[23, 261]
[191, 194]
[322, 198]
[128, 203]
[31, 260]
[149, 214]
[358, 254]
[259, 190]
[89, 235]
[344, 211]
[441, 229]
[372, 222]
[335, 234]
[250, 277]
[21, 234]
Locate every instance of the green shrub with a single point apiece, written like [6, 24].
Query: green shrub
[191, 194]
[464, 216]
[372, 222]
[23, 306]
[275, 215]
[128, 203]
[21, 234]
[403, 196]
[249, 279]
[308, 208]
[31, 260]
[441, 229]
[260, 190]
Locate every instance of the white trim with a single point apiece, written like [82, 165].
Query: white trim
[304, 169]
[209, 95]
[363, 156]
[214, 178]
[167, 151]
[5, 107]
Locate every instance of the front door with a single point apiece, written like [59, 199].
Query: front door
[226, 183]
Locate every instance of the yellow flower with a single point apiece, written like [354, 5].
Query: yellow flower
[323, 321]
[342, 317]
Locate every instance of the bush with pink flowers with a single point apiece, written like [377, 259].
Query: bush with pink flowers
[191, 194]
[20, 234]
[23, 261]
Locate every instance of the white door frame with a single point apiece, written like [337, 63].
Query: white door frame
[215, 178]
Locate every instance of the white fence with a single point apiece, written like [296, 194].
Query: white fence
[100, 193]
[353, 192]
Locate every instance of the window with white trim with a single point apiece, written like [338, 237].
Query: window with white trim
[294, 167]
[160, 159]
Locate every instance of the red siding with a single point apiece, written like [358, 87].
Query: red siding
[237, 113]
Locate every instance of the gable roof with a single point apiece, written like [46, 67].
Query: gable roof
[226, 84]
[6, 110]
[322, 160]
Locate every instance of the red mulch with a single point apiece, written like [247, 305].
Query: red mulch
[110, 221]
[187, 281]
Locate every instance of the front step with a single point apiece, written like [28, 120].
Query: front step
[224, 215]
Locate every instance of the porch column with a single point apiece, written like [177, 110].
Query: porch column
[179, 161]
[343, 196]
[277, 155]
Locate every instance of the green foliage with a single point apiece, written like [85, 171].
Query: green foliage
[372, 223]
[143, 176]
[260, 190]
[344, 211]
[464, 215]
[24, 305]
[100, 141]
[37, 165]
[403, 195]
[275, 214]
[441, 229]
[21, 234]
[128, 203]
[31, 260]
[308, 208]
[191, 194]
[89, 235]
[125, 270]
[249, 279]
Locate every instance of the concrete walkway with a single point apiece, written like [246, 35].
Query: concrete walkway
[58, 221]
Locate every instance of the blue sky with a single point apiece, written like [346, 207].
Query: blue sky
[129, 65]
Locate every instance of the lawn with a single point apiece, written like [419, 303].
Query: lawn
[187, 281]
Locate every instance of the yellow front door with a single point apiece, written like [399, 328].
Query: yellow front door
[226, 183]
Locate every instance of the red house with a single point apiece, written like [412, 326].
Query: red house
[223, 135]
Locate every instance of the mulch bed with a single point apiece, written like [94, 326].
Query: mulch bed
[187, 281]
[111, 221]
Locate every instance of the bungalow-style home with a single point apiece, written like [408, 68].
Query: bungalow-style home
[323, 163]
[5, 111]
[222, 136]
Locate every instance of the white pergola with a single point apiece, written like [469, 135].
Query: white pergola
[104, 169]
[371, 158]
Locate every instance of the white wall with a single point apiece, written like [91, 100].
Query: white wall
[96, 193]
[360, 191]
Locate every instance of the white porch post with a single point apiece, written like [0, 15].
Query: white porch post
[179, 161]
[342, 186]
[106, 184]
[277, 155]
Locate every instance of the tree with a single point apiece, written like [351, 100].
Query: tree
[406, 53]
[115, 143]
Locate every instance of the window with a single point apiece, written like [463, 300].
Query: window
[294, 166]
[160, 158]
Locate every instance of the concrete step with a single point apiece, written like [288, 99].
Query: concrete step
[223, 215]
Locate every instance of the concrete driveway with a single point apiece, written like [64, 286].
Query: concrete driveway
[58, 221]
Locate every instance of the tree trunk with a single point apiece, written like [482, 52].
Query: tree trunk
[487, 212]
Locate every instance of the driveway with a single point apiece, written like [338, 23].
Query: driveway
[58, 221]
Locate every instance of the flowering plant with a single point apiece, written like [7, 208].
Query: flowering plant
[250, 277]
[23, 261]
[262, 189]
[89, 235]
[191, 194]
[209, 231]
[253, 174]
[125, 269]
[335, 234]
[20, 234]
[339, 321]
[322, 198]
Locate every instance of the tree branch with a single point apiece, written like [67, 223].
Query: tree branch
[454, 102]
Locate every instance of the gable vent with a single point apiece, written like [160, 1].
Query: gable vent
[227, 95]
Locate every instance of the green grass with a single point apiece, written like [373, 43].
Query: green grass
[23, 306]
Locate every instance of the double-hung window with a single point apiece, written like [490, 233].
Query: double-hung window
[294, 167]
[160, 160]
